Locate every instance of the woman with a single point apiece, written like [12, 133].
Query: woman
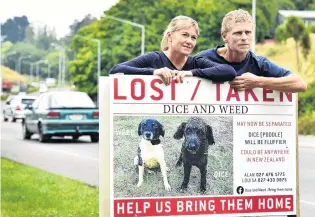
[174, 61]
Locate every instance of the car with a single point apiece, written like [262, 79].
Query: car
[14, 106]
[43, 87]
[62, 113]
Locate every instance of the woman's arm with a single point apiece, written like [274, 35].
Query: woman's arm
[213, 71]
[141, 65]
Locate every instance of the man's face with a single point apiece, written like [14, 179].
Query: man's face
[239, 39]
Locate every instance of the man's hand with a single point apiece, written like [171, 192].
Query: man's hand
[166, 74]
[245, 81]
[180, 75]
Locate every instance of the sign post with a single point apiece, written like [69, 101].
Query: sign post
[251, 165]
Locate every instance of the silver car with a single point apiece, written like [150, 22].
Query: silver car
[14, 106]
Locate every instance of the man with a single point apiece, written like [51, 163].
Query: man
[252, 71]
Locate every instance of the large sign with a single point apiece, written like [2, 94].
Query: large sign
[195, 148]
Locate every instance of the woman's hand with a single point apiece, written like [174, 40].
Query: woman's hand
[166, 74]
[180, 75]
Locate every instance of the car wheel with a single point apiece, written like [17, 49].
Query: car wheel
[26, 133]
[5, 119]
[13, 119]
[75, 137]
[94, 138]
[42, 137]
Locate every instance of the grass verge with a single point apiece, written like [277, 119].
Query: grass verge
[26, 191]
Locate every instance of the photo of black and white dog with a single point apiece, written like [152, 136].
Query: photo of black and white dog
[150, 150]
[194, 152]
[163, 156]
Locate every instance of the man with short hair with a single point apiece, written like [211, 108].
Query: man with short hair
[252, 71]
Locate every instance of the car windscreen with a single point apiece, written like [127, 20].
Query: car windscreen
[28, 101]
[71, 100]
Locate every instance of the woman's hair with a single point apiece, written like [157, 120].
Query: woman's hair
[177, 23]
[236, 16]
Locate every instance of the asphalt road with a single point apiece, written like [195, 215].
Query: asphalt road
[79, 160]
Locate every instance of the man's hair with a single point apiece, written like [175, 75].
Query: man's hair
[236, 16]
[177, 23]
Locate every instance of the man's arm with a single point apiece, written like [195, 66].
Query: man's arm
[274, 78]
[291, 83]
[278, 78]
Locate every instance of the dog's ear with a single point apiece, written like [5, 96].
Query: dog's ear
[180, 131]
[210, 135]
[139, 129]
[161, 129]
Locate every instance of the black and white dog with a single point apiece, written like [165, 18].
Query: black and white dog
[194, 152]
[150, 149]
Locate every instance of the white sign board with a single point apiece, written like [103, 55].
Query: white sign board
[226, 153]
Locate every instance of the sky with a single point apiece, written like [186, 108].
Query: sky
[57, 14]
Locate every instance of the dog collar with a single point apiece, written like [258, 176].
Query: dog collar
[155, 142]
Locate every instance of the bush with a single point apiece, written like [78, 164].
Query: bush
[311, 28]
[4, 97]
[32, 89]
[307, 100]
[307, 124]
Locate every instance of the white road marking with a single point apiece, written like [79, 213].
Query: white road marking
[70, 153]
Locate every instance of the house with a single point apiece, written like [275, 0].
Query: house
[307, 16]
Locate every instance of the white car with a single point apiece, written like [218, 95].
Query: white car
[43, 87]
[14, 106]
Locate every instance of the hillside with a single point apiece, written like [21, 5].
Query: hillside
[13, 76]
[285, 56]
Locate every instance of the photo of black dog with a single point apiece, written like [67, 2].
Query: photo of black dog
[194, 152]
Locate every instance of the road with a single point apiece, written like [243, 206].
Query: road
[79, 160]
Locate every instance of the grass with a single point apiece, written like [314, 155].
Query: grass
[29, 192]
[125, 149]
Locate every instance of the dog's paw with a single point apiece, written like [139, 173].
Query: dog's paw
[167, 187]
[135, 161]
[178, 164]
[203, 189]
[139, 184]
[183, 188]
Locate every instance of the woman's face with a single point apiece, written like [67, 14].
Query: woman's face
[183, 40]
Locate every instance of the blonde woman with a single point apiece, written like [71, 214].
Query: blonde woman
[174, 61]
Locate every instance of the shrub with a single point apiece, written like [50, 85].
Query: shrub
[4, 97]
[307, 124]
[307, 100]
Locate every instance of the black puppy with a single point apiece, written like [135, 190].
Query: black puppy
[198, 136]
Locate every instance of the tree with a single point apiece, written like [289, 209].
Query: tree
[21, 49]
[281, 33]
[121, 42]
[14, 29]
[305, 43]
[294, 27]
[88, 19]
[44, 37]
